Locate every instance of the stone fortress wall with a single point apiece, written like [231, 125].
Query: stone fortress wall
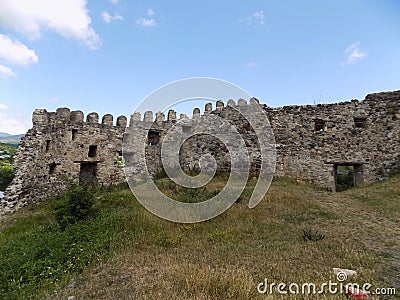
[311, 142]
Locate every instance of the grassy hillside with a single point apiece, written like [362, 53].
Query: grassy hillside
[124, 252]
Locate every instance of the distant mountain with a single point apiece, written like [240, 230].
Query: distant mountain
[4, 134]
[7, 138]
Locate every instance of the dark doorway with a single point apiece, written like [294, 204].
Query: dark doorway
[348, 176]
[344, 178]
[88, 172]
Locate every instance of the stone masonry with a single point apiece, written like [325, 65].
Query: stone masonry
[311, 142]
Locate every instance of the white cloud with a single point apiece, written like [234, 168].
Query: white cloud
[6, 72]
[356, 55]
[13, 126]
[352, 46]
[251, 64]
[14, 52]
[114, 1]
[259, 16]
[147, 21]
[108, 18]
[3, 106]
[53, 99]
[150, 12]
[256, 18]
[69, 18]
[353, 54]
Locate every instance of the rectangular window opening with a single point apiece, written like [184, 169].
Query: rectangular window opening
[52, 168]
[120, 160]
[319, 124]
[153, 137]
[74, 133]
[92, 151]
[47, 145]
[360, 122]
[186, 128]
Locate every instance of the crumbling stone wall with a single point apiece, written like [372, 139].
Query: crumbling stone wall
[59, 148]
[311, 142]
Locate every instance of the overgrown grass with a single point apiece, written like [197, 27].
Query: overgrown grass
[124, 252]
[38, 255]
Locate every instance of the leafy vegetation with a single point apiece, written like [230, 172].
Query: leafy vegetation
[49, 250]
[8, 149]
[6, 169]
[75, 205]
[6, 174]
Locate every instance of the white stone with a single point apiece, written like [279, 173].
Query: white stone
[348, 272]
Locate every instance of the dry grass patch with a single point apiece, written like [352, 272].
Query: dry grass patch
[226, 257]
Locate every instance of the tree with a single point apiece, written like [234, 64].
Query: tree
[6, 174]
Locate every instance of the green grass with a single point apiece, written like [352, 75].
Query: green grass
[37, 256]
[124, 252]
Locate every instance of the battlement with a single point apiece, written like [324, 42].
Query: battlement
[64, 116]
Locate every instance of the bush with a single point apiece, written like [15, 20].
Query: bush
[310, 235]
[6, 175]
[74, 206]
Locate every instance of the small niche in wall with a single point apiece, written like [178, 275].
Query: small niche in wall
[186, 128]
[360, 122]
[153, 137]
[92, 151]
[120, 160]
[47, 145]
[52, 168]
[319, 124]
[74, 133]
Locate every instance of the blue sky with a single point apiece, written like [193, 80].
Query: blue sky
[107, 55]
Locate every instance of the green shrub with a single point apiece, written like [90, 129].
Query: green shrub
[6, 174]
[74, 206]
[310, 235]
